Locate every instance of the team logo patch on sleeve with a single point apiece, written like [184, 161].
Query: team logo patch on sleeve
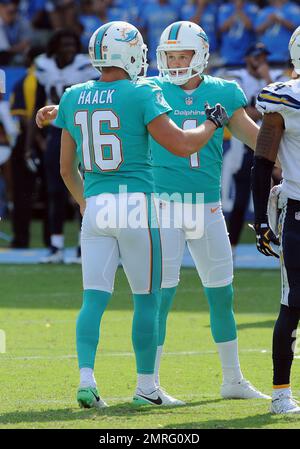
[161, 99]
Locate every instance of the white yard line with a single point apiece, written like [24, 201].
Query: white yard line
[126, 354]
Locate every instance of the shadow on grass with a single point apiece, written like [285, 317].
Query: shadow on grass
[259, 421]
[257, 325]
[254, 325]
[126, 410]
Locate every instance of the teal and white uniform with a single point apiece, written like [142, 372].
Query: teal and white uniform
[108, 121]
[200, 173]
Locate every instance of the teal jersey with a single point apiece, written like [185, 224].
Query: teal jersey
[108, 121]
[201, 172]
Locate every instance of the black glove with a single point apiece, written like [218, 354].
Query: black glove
[216, 114]
[266, 241]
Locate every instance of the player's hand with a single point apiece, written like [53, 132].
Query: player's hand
[44, 114]
[216, 114]
[266, 241]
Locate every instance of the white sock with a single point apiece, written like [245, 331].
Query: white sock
[228, 352]
[57, 240]
[281, 391]
[146, 383]
[87, 378]
[157, 365]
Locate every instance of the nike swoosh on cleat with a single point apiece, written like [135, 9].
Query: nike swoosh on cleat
[157, 401]
[96, 397]
[213, 209]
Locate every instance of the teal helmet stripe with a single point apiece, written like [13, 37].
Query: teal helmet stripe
[173, 35]
[99, 38]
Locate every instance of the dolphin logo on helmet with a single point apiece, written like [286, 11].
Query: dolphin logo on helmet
[119, 44]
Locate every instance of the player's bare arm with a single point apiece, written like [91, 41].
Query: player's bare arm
[69, 170]
[243, 128]
[269, 136]
[163, 130]
[186, 142]
[177, 141]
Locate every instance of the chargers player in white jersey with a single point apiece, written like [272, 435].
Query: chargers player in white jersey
[280, 217]
[112, 147]
[239, 158]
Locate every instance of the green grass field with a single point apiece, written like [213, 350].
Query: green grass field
[39, 376]
[71, 233]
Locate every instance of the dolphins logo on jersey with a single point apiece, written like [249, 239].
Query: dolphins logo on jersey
[129, 36]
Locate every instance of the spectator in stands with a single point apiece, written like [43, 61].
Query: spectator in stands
[89, 20]
[204, 13]
[36, 12]
[154, 18]
[95, 13]
[15, 33]
[274, 25]
[236, 28]
[131, 8]
[22, 103]
[64, 14]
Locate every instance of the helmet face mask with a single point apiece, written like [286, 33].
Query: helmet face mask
[294, 49]
[119, 44]
[181, 36]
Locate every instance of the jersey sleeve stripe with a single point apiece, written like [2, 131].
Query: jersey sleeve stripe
[282, 99]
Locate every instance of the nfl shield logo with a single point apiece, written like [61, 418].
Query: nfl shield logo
[297, 216]
[189, 101]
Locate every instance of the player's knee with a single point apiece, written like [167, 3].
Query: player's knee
[294, 296]
[146, 310]
[167, 297]
[220, 299]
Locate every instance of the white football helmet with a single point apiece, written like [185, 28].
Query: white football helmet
[182, 36]
[119, 44]
[294, 48]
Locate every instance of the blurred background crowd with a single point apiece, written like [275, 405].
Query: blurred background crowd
[41, 39]
[230, 25]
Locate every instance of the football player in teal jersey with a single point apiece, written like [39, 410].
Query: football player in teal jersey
[112, 147]
[182, 56]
